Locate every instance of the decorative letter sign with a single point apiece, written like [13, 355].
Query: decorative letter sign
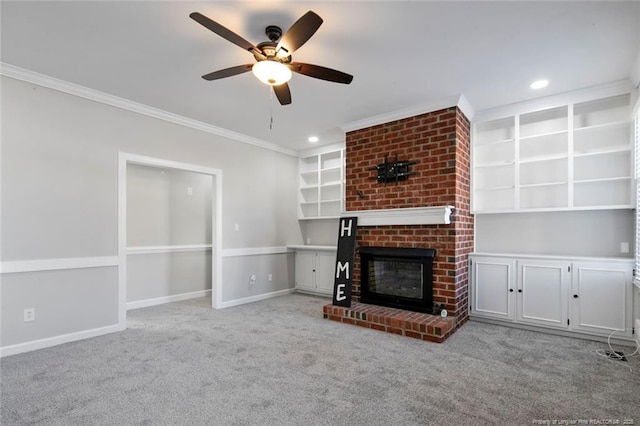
[344, 261]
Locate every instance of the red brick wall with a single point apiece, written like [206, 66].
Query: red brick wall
[439, 142]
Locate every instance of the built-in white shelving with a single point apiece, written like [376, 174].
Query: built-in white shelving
[321, 185]
[574, 156]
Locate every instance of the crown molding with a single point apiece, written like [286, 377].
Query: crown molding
[634, 75]
[49, 82]
[465, 106]
[458, 101]
[321, 149]
[580, 95]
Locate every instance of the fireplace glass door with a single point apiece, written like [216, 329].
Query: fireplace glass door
[395, 277]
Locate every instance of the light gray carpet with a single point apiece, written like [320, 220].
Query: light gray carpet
[277, 362]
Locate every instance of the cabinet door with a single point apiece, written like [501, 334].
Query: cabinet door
[543, 287]
[325, 270]
[601, 298]
[492, 287]
[305, 265]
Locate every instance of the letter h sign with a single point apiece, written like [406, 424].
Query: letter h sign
[344, 261]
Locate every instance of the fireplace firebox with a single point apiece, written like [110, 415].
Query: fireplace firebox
[397, 277]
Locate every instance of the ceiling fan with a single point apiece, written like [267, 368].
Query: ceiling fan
[274, 64]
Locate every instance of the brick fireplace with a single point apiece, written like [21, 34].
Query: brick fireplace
[439, 142]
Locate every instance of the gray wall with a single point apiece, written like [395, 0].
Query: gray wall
[59, 193]
[160, 212]
[320, 232]
[239, 269]
[596, 233]
[65, 302]
[156, 275]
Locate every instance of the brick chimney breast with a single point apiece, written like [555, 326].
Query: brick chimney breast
[439, 142]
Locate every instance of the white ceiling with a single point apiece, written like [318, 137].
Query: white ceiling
[402, 54]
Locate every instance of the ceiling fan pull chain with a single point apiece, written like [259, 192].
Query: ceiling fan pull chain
[271, 109]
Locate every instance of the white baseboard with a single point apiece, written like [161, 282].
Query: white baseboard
[167, 299]
[257, 298]
[637, 327]
[616, 339]
[57, 340]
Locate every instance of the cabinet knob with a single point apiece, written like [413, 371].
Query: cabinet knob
[510, 290]
[519, 290]
[575, 296]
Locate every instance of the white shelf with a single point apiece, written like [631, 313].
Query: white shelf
[602, 126]
[542, 158]
[310, 247]
[496, 164]
[612, 179]
[608, 110]
[331, 169]
[495, 188]
[320, 217]
[544, 122]
[489, 144]
[321, 184]
[542, 135]
[603, 152]
[531, 185]
[576, 156]
[494, 132]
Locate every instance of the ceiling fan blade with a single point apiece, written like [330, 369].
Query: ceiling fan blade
[223, 32]
[283, 93]
[300, 32]
[228, 72]
[322, 73]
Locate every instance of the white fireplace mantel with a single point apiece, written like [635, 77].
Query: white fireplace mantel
[439, 215]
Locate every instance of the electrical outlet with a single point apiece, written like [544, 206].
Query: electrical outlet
[624, 247]
[252, 280]
[29, 314]
[270, 277]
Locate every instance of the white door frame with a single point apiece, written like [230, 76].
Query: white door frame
[216, 226]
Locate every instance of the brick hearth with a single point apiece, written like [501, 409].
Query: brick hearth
[405, 323]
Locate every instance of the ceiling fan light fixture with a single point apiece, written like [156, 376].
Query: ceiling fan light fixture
[271, 72]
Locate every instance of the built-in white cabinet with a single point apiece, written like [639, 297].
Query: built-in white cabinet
[492, 286]
[314, 268]
[589, 296]
[321, 185]
[601, 297]
[574, 156]
[543, 292]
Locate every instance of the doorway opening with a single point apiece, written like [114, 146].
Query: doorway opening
[173, 179]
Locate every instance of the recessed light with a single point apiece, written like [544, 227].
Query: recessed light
[313, 139]
[539, 84]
